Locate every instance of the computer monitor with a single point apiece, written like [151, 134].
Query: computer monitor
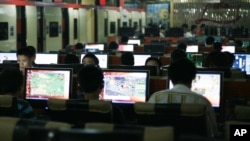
[152, 32]
[99, 47]
[126, 47]
[175, 32]
[7, 56]
[151, 48]
[46, 58]
[208, 84]
[140, 59]
[45, 83]
[9, 66]
[162, 42]
[103, 59]
[230, 49]
[125, 86]
[134, 41]
[196, 58]
[192, 48]
[242, 61]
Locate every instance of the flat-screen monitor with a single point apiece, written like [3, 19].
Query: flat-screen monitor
[7, 56]
[126, 47]
[152, 32]
[125, 86]
[46, 58]
[196, 58]
[242, 61]
[230, 49]
[175, 32]
[151, 48]
[99, 47]
[208, 84]
[140, 59]
[126, 31]
[152, 69]
[45, 83]
[134, 41]
[103, 59]
[192, 48]
[162, 42]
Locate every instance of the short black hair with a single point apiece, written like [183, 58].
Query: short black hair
[32, 50]
[11, 81]
[182, 71]
[127, 58]
[177, 54]
[154, 59]
[124, 39]
[217, 46]
[184, 25]
[92, 56]
[26, 51]
[79, 46]
[113, 45]
[182, 46]
[90, 78]
[209, 40]
[71, 59]
[193, 27]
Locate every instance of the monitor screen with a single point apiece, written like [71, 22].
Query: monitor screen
[125, 86]
[103, 60]
[230, 49]
[46, 58]
[196, 58]
[154, 48]
[192, 48]
[125, 47]
[134, 41]
[7, 56]
[242, 61]
[100, 47]
[44, 83]
[140, 59]
[208, 84]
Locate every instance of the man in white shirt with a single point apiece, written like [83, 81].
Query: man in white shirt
[181, 73]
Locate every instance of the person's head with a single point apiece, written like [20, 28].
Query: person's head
[182, 72]
[229, 57]
[217, 46]
[91, 82]
[71, 59]
[90, 58]
[113, 45]
[185, 27]
[210, 40]
[177, 54]
[24, 58]
[11, 82]
[182, 46]
[127, 58]
[124, 39]
[79, 46]
[33, 51]
[153, 61]
[215, 59]
[193, 28]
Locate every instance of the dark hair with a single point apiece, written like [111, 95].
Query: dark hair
[124, 39]
[113, 45]
[193, 27]
[92, 56]
[184, 25]
[32, 50]
[79, 46]
[127, 58]
[182, 46]
[177, 54]
[154, 59]
[90, 78]
[209, 40]
[11, 81]
[217, 46]
[182, 71]
[71, 59]
[229, 59]
[26, 51]
[215, 59]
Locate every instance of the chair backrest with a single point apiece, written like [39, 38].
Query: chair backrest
[8, 106]
[14, 129]
[165, 133]
[185, 118]
[80, 111]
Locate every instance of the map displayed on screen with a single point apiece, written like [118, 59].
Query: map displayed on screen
[41, 84]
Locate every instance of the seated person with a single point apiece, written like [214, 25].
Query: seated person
[11, 83]
[71, 59]
[33, 51]
[152, 61]
[217, 46]
[182, 73]
[176, 55]
[113, 46]
[127, 58]
[124, 39]
[90, 79]
[25, 58]
[209, 41]
[90, 58]
[182, 46]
